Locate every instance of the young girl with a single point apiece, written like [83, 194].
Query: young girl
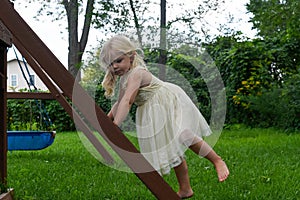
[167, 121]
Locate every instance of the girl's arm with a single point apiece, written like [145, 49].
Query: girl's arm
[114, 108]
[133, 84]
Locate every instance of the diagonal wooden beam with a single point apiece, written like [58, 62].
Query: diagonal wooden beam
[64, 103]
[84, 103]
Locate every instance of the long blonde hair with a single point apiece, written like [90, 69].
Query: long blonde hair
[115, 47]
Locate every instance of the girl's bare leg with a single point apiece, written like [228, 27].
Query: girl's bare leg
[185, 190]
[201, 148]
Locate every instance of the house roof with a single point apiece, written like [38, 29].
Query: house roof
[15, 60]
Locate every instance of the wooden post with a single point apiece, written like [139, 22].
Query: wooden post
[5, 42]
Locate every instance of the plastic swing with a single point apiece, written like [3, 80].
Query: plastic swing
[31, 140]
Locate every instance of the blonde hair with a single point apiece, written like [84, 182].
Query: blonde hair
[115, 47]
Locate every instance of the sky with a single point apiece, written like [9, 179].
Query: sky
[54, 35]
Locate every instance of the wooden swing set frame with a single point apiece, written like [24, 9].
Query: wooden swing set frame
[61, 84]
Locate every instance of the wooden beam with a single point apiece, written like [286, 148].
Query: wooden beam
[84, 103]
[3, 111]
[5, 35]
[30, 95]
[5, 42]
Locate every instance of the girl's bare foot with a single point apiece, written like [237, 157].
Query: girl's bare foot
[185, 194]
[222, 170]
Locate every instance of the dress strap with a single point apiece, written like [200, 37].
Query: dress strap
[124, 78]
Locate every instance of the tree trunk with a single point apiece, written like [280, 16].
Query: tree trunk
[136, 22]
[163, 41]
[72, 15]
[76, 47]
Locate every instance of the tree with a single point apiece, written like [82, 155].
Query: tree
[275, 18]
[167, 28]
[136, 21]
[261, 74]
[115, 16]
[277, 22]
[191, 24]
[247, 69]
[77, 47]
[73, 9]
[163, 41]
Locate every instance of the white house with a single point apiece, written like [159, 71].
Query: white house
[16, 80]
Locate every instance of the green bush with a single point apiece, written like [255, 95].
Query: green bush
[35, 114]
[59, 117]
[190, 80]
[24, 114]
[278, 107]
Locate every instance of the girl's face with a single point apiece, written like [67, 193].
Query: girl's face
[121, 65]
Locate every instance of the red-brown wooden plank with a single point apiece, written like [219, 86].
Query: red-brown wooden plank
[5, 42]
[3, 112]
[30, 95]
[3, 134]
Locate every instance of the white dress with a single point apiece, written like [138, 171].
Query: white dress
[164, 112]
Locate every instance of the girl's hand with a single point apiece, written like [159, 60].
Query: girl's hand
[113, 111]
[110, 116]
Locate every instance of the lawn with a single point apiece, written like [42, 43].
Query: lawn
[264, 164]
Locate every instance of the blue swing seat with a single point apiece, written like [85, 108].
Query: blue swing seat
[29, 140]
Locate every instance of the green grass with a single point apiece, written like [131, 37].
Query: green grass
[264, 164]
